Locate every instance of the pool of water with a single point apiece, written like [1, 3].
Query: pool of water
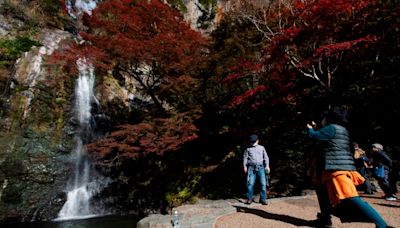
[97, 222]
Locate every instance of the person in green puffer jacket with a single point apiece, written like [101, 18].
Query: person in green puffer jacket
[336, 191]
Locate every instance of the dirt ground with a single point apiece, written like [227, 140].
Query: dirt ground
[300, 212]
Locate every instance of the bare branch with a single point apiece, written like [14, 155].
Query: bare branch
[320, 66]
[256, 22]
[294, 62]
[376, 60]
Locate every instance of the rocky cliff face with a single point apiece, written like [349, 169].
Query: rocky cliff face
[34, 136]
[37, 124]
[37, 130]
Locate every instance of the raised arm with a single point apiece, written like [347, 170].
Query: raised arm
[324, 133]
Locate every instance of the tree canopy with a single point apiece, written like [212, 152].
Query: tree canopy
[147, 40]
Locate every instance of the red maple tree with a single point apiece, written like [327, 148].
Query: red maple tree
[156, 136]
[149, 42]
[307, 38]
[146, 40]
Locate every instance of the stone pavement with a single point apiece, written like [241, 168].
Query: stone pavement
[300, 212]
[280, 212]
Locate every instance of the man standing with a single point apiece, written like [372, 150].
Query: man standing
[255, 164]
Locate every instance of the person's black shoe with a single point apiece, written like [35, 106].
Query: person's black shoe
[322, 221]
[321, 224]
[264, 202]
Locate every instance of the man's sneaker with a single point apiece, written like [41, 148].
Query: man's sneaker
[264, 202]
[249, 202]
[390, 198]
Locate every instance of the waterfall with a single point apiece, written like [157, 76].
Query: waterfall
[74, 10]
[85, 182]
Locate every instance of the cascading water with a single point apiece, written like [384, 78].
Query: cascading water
[85, 182]
[75, 8]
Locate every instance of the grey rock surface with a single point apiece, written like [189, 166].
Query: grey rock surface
[202, 214]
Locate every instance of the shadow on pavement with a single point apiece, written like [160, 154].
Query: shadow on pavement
[371, 196]
[284, 218]
[388, 205]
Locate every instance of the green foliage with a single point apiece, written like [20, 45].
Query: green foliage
[10, 50]
[180, 195]
[179, 4]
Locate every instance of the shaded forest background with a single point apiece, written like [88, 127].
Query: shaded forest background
[266, 67]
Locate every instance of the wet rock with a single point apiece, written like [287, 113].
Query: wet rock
[202, 214]
[31, 188]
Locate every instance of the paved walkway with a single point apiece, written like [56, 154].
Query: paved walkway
[280, 212]
[299, 212]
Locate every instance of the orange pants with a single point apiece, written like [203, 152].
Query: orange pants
[341, 184]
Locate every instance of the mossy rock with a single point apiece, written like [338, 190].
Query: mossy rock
[13, 192]
[12, 49]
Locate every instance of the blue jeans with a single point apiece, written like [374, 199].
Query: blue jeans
[252, 172]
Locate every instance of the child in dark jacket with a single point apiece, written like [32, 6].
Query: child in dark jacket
[382, 163]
